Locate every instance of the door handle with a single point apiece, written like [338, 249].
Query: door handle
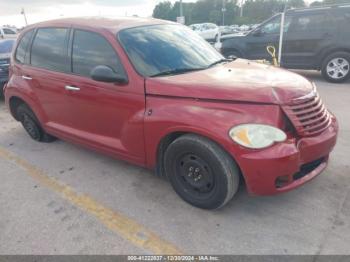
[72, 88]
[27, 77]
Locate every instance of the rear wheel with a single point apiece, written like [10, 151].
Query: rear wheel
[233, 54]
[336, 67]
[2, 90]
[216, 38]
[31, 124]
[201, 172]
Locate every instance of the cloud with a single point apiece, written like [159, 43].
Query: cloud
[13, 7]
[41, 10]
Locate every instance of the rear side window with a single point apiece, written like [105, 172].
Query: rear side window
[308, 23]
[23, 46]
[49, 49]
[90, 50]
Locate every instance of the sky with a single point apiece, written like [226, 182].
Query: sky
[41, 10]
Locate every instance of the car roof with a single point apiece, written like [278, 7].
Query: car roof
[320, 8]
[113, 24]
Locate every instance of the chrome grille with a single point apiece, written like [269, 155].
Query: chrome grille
[309, 116]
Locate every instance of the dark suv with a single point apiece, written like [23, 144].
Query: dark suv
[314, 38]
[5, 54]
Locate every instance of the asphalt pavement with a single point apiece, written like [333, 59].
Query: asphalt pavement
[61, 198]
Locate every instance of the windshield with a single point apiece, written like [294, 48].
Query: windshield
[6, 46]
[167, 48]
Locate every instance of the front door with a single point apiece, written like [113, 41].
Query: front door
[106, 115]
[260, 38]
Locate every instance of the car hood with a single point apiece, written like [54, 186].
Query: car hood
[240, 80]
[235, 35]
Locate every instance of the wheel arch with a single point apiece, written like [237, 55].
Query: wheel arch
[171, 136]
[328, 52]
[233, 50]
[16, 99]
[14, 102]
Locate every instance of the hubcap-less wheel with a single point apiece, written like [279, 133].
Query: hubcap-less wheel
[200, 172]
[338, 68]
[195, 175]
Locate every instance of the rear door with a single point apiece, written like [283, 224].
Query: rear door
[341, 21]
[309, 33]
[47, 75]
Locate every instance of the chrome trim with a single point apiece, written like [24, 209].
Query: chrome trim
[27, 77]
[72, 88]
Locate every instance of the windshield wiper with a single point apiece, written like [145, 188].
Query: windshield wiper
[176, 71]
[221, 61]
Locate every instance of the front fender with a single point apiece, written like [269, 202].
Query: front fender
[211, 119]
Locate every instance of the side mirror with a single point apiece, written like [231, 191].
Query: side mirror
[106, 74]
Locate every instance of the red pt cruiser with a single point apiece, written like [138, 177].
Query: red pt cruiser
[155, 94]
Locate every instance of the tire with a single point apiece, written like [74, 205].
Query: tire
[31, 124]
[233, 53]
[216, 38]
[200, 172]
[2, 90]
[336, 67]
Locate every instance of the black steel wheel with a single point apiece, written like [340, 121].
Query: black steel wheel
[194, 174]
[201, 172]
[31, 124]
[31, 127]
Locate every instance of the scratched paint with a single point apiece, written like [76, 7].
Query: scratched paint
[127, 228]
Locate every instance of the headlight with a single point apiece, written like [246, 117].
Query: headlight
[256, 136]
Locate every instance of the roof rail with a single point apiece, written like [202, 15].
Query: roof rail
[319, 7]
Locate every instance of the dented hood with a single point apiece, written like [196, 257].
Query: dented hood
[240, 80]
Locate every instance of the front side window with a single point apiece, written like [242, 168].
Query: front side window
[48, 49]
[90, 50]
[22, 46]
[273, 26]
[161, 48]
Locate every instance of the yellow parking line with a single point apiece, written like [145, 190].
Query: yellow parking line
[118, 223]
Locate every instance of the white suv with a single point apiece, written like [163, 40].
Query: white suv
[208, 31]
[6, 32]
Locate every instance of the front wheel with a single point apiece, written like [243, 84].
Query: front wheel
[336, 67]
[201, 172]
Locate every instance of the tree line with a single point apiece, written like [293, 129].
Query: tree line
[252, 11]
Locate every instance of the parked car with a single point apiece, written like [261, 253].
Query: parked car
[155, 94]
[6, 32]
[226, 30]
[244, 28]
[5, 54]
[208, 31]
[314, 38]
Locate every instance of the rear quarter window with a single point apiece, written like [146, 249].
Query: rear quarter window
[23, 47]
